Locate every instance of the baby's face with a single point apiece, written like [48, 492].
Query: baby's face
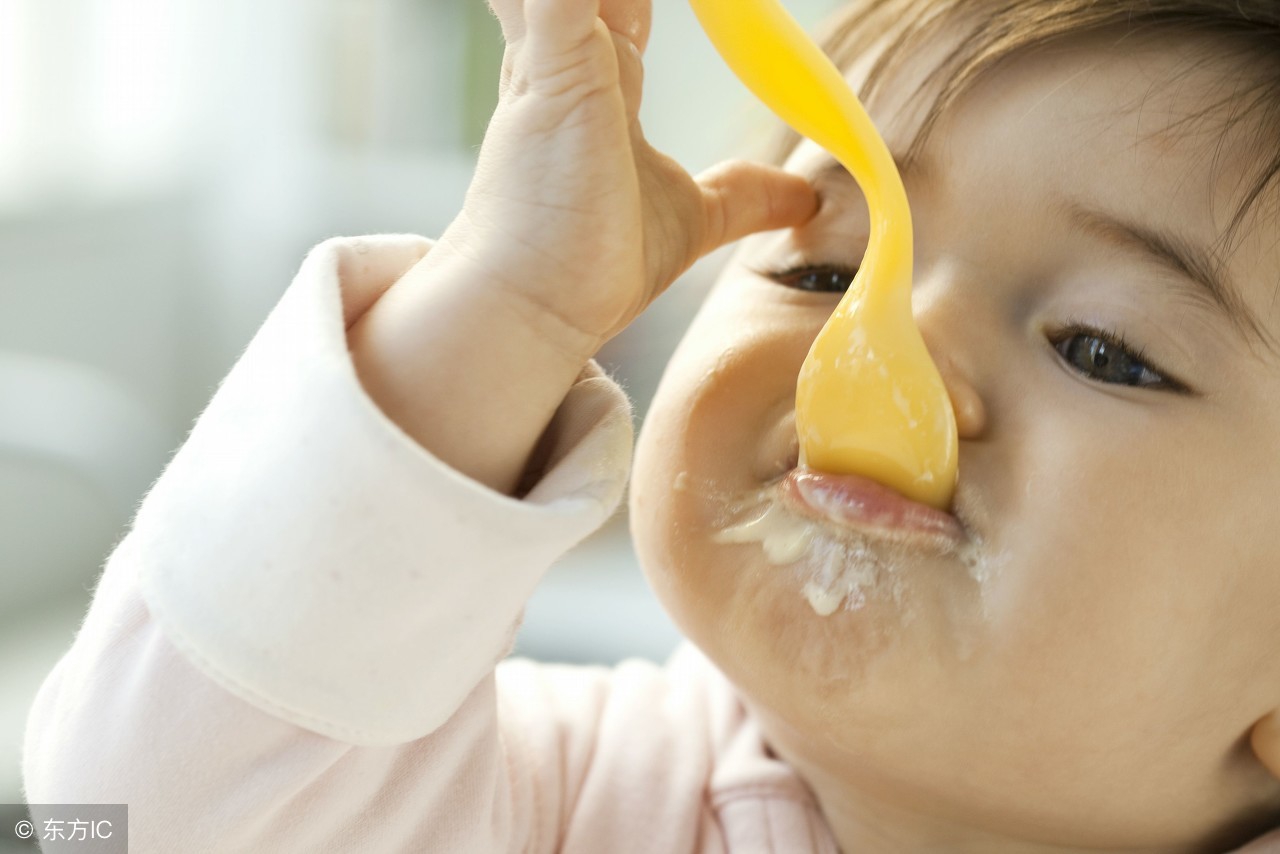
[1089, 658]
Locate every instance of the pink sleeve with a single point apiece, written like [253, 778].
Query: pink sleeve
[293, 647]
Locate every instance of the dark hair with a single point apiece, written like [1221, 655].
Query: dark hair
[995, 30]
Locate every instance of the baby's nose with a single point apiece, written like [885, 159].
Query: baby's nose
[940, 313]
[971, 413]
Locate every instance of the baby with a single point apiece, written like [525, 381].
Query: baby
[295, 646]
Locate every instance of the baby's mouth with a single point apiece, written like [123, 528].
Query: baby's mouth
[846, 536]
[871, 509]
[853, 504]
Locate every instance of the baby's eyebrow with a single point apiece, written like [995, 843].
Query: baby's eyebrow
[1192, 262]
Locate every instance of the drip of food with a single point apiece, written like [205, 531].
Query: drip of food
[869, 400]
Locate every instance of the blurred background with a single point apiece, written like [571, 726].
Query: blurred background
[164, 167]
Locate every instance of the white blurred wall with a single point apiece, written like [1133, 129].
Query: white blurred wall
[164, 166]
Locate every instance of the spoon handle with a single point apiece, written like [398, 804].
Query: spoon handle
[772, 54]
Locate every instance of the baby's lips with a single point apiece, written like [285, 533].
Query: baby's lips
[863, 504]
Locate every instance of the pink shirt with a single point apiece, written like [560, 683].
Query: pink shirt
[296, 645]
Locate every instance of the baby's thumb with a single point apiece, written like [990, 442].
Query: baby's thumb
[741, 198]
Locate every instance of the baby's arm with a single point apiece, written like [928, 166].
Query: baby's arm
[293, 648]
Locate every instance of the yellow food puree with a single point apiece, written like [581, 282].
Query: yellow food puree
[869, 400]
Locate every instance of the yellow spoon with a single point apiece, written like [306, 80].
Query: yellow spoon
[869, 400]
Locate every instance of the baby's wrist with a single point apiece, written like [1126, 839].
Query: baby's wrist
[510, 268]
[470, 373]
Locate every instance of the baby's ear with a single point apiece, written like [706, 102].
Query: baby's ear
[1266, 742]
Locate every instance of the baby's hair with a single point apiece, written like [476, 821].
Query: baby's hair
[995, 30]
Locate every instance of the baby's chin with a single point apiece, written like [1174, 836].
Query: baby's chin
[803, 615]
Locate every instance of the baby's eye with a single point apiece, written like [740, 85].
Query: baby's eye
[1105, 357]
[825, 278]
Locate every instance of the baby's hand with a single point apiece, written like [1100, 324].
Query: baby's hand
[572, 226]
[571, 209]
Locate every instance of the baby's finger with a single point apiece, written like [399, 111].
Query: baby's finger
[560, 27]
[630, 74]
[629, 18]
[740, 198]
[510, 14]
